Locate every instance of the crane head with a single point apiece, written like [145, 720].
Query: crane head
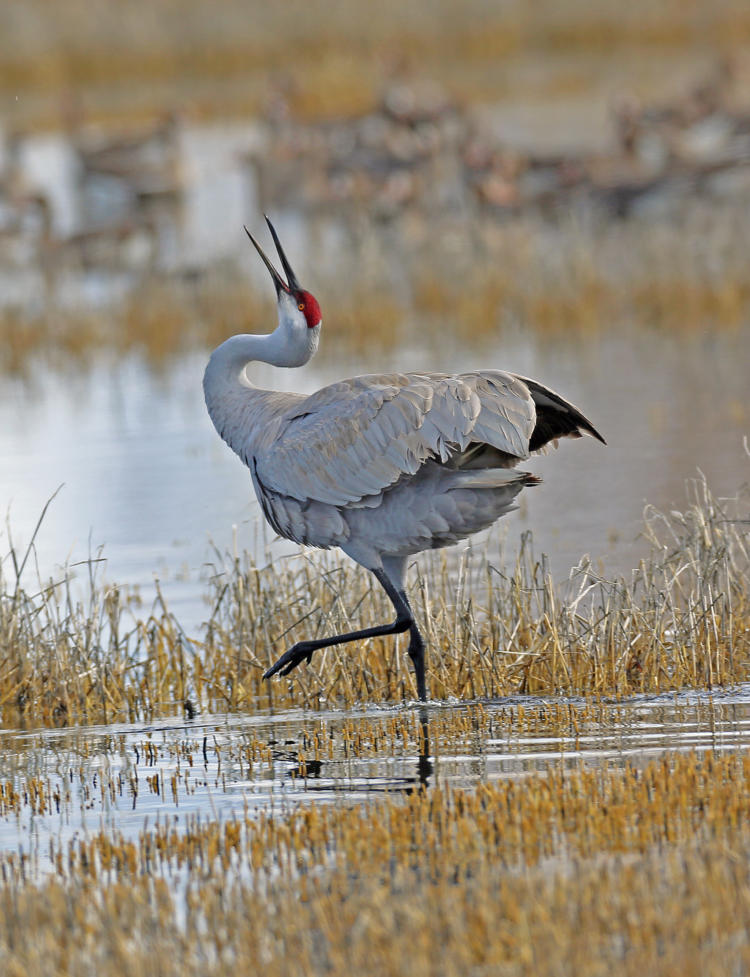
[306, 303]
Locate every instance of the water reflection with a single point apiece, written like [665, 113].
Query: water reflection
[68, 783]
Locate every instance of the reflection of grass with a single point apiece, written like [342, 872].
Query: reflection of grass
[682, 620]
[629, 871]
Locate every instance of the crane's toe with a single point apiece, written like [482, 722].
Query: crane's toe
[297, 654]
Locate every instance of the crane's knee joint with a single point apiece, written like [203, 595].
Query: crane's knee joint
[417, 641]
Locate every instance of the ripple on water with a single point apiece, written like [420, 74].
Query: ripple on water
[58, 786]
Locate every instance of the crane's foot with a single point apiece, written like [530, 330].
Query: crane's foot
[301, 652]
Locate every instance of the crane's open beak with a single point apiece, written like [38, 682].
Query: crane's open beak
[291, 284]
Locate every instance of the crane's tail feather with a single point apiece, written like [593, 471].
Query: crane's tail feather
[494, 478]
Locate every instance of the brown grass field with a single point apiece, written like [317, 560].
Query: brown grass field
[127, 60]
[627, 871]
[684, 279]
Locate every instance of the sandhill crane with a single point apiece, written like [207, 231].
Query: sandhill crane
[382, 466]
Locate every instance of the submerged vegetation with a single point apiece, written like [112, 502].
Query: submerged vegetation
[681, 620]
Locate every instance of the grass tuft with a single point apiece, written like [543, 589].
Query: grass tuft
[681, 620]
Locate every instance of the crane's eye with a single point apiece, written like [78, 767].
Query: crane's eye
[301, 306]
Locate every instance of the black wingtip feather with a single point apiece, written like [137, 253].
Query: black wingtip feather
[556, 417]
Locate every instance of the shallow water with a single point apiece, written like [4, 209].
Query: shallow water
[72, 783]
[146, 478]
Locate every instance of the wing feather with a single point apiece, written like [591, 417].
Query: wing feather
[556, 417]
[353, 439]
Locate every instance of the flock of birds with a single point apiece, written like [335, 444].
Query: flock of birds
[129, 191]
[417, 153]
[420, 151]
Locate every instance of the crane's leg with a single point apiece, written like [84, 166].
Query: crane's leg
[392, 584]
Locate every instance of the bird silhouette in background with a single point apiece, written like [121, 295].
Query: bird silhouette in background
[383, 466]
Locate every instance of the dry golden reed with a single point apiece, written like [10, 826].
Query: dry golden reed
[631, 871]
[680, 620]
[570, 281]
[331, 60]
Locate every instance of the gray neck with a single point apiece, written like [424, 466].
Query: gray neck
[240, 411]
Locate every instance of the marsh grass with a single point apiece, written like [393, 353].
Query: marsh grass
[632, 870]
[584, 277]
[330, 60]
[639, 870]
[578, 280]
[680, 620]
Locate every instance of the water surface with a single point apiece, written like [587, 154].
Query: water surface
[122, 778]
[147, 479]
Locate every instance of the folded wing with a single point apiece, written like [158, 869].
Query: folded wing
[354, 439]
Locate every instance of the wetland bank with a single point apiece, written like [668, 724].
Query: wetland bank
[575, 800]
